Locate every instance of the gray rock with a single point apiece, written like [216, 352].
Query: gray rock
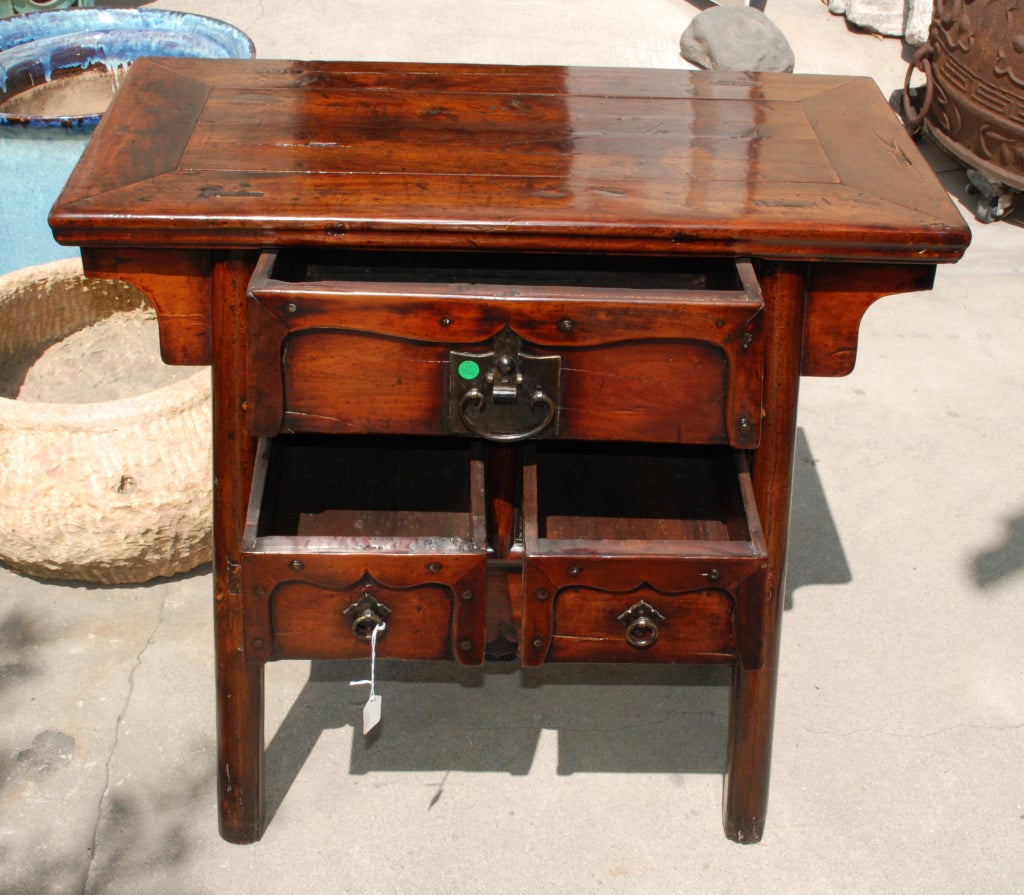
[895, 18]
[919, 17]
[881, 16]
[736, 38]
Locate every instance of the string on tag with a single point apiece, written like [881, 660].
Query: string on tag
[371, 711]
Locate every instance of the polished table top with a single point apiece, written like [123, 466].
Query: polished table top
[245, 154]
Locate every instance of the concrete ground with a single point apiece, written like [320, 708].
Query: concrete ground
[900, 726]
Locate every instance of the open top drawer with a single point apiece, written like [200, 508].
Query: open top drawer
[508, 346]
[641, 553]
[345, 532]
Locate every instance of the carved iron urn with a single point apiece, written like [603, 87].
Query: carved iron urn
[974, 105]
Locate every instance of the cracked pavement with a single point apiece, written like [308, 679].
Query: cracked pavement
[900, 721]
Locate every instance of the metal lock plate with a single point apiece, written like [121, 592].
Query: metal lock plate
[504, 394]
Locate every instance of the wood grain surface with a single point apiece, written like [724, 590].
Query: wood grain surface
[250, 153]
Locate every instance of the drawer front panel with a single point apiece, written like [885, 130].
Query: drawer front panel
[650, 391]
[363, 382]
[310, 622]
[657, 364]
[595, 626]
[324, 605]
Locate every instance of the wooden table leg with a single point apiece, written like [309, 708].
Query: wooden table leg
[752, 712]
[239, 683]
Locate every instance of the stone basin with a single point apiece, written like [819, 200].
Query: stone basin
[113, 490]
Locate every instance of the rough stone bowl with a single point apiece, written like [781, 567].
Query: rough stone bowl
[112, 492]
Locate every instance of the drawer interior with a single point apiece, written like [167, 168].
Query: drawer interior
[627, 492]
[364, 487]
[528, 269]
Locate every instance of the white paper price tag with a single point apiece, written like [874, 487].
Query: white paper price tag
[371, 714]
[371, 711]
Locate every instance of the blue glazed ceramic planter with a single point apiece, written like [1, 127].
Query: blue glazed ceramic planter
[58, 72]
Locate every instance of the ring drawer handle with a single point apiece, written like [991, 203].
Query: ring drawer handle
[366, 623]
[642, 632]
[367, 614]
[641, 621]
[475, 397]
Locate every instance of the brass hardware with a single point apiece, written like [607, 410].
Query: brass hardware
[542, 594]
[641, 621]
[505, 394]
[366, 614]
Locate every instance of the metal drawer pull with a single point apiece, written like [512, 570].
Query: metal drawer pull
[641, 621]
[475, 398]
[366, 614]
[500, 394]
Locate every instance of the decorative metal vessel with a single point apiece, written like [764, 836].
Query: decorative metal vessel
[974, 96]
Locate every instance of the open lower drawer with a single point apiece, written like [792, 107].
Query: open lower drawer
[640, 553]
[506, 346]
[346, 531]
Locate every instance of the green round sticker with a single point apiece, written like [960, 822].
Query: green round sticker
[469, 369]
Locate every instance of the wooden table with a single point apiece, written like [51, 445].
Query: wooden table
[507, 356]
